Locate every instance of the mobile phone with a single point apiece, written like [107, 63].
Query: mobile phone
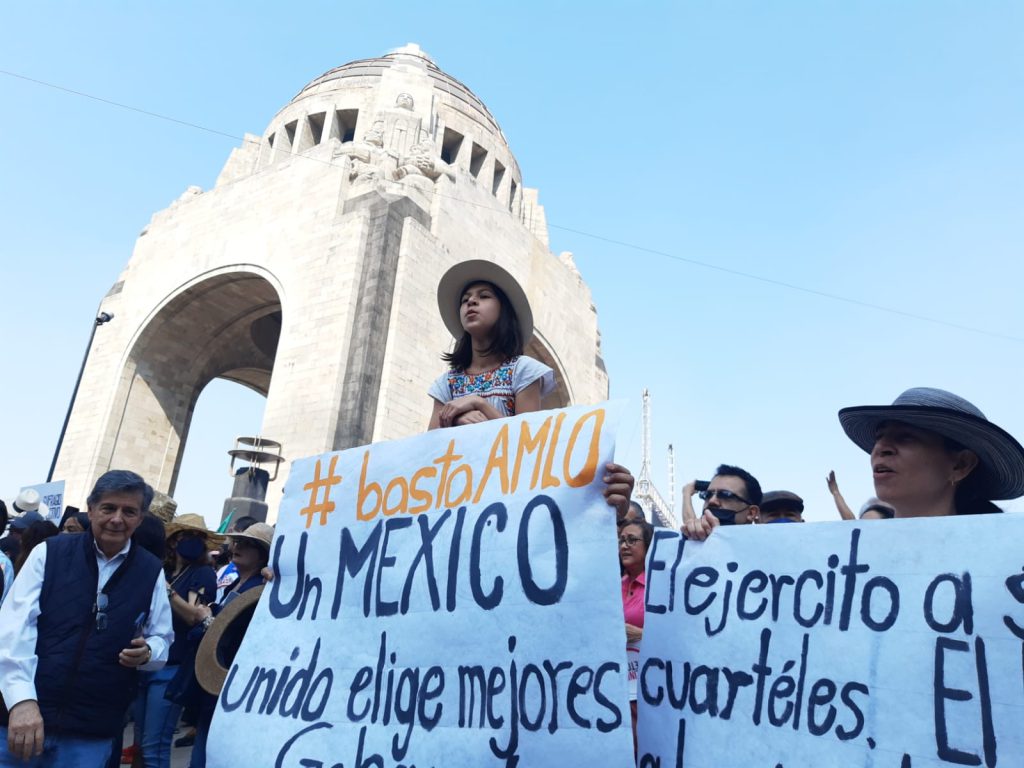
[701, 485]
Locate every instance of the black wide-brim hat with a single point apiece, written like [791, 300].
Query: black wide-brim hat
[464, 274]
[1000, 456]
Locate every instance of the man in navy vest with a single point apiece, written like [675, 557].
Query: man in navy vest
[85, 613]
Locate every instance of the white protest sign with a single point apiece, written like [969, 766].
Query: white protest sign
[52, 495]
[883, 644]
[448, 600]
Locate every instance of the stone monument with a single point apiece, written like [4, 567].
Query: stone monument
[308, 273]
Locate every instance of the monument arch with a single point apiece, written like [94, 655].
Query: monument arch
[224, 324]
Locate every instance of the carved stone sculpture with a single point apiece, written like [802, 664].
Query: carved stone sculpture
[421, 161]
[368, 156]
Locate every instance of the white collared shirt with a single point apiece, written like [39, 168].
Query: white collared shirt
[8, 568]
[19, 617]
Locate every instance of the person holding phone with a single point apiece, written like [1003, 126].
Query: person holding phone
[72, 638]
[731, 497]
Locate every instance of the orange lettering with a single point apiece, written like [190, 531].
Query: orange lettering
[497, 461]
[467, 490]
[446, 462]
[586, 474]
[398, 482]
[365, 490]
[550, 481]
[417, 494]
[529, 444]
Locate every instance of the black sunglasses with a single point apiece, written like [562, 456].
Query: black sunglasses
[722, 494]
[100, 609]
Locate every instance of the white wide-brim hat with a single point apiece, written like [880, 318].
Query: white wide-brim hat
[28, 501]
[1000, 456]
[465, 273]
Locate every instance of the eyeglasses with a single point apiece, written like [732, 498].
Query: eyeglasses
[629, 540]
[723, 495]
[100, 610]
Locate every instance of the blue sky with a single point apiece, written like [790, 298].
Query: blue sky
[870, 150]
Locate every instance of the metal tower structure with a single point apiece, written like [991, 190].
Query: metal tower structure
[658, 511]
[671, 477]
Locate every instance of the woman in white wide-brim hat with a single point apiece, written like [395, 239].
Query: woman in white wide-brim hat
[487, 312]
[934, 453]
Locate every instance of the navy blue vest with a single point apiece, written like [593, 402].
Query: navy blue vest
[88, 698]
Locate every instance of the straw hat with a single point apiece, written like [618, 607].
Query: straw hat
[209, 671]
[1000, 456]
[261, 533]
[455, 280]
[193, 523]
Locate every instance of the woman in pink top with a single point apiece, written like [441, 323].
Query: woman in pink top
[634, 539]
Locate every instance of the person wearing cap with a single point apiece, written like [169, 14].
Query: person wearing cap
[781, 507]
[733, 497]
[84, 615]
[17, 529]
[190, 582]
[250, 553]
[934, 453]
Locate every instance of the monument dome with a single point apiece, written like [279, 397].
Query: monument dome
[454, 94]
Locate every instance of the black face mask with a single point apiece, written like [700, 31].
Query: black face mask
[725, 516]
[191, 548]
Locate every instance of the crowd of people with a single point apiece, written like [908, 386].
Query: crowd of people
[103, 615]
[101, 620]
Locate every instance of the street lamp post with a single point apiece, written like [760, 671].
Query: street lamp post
[101, 318]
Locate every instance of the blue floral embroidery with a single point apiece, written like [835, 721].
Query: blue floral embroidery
[495, 384]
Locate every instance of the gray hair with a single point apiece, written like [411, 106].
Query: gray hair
[121, 481]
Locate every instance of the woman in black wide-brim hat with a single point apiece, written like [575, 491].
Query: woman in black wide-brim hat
[934, 453]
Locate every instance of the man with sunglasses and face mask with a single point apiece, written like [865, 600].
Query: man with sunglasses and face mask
[733, 497]
[84, 614]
